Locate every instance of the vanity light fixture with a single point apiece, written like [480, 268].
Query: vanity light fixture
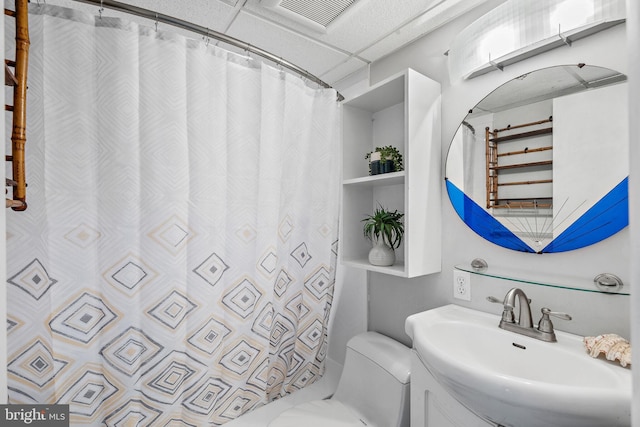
[519, 29]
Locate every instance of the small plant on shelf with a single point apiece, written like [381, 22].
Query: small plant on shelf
[389, 152]
[386, 225]
[386, 230]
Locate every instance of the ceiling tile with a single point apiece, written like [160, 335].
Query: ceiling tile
[207, 13]
[299, 49]
[422, 24]
[342, 70]
[369, 21]
[363, 23]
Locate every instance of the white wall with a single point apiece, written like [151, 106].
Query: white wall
[393, 299]
[633, 25]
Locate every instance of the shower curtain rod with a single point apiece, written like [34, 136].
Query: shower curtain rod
[206, 32]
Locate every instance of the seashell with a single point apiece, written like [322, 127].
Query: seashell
[613, 346]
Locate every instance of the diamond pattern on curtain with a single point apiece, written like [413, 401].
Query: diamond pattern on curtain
[177, 262]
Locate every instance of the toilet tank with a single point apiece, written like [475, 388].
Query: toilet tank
[375, 380]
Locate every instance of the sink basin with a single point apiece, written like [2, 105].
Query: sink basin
[513, 380]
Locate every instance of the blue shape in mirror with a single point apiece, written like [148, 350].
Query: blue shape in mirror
[604, 219]
[480, 221]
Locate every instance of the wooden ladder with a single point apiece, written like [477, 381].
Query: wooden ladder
[18, 80]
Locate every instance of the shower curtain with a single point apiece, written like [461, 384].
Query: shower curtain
[176, 264]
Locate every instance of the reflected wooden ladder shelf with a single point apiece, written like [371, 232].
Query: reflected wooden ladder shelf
[18, 80]
[493, 167]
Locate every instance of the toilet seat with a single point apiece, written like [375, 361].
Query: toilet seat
[318, 413]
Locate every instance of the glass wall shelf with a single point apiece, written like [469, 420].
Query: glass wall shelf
[572, 283]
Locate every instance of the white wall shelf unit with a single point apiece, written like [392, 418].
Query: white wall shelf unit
[402, 111]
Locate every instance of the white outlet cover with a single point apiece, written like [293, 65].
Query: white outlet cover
[462, 285]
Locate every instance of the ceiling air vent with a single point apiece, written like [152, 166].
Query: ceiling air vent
[315, 13]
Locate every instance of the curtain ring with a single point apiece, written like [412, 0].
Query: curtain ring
[281, 67]
[99, 10]
[156, 22]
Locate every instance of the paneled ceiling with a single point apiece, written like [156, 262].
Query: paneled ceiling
[329, 38]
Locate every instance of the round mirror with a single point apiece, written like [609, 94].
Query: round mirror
[541, 164]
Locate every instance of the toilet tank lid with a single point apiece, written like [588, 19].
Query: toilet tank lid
[389, 354]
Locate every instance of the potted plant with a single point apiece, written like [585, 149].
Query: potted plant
[385, 229]
[390, 159]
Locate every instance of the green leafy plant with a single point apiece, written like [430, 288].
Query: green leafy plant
[386, 225]
[389, 152]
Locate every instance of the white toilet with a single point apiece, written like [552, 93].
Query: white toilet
[373, 390]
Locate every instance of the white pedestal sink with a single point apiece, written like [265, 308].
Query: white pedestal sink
[513, 380]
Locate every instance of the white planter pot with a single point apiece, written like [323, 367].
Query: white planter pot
[381, 255]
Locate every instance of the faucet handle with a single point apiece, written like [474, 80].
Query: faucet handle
[505, 304]
[559, 315]
[507, 313]
[545, 325]
[495, 300]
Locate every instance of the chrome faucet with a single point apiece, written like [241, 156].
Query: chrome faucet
[544, 331]
[524, 315]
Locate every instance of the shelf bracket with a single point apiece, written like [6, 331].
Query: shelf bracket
[564, 39]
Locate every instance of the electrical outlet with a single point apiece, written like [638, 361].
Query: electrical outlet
[462, 285]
